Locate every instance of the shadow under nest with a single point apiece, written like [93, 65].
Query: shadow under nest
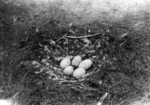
[118, 63]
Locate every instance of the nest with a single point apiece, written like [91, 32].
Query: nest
[119, 66]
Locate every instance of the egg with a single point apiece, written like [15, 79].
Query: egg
[8, 102]
[86, 64]
[68, 70]
[76, 60]
[79, 72]
[65, 62]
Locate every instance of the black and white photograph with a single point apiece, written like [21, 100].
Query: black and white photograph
[74, 52]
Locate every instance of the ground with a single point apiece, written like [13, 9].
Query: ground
[119, 50]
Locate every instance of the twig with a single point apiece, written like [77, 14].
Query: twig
[102, 99]
[116, 83]
[61, 38]
[122, 102]
[80, 37]
[67, 81]
[87, 88]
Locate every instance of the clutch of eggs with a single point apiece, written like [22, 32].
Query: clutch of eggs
[67, 65]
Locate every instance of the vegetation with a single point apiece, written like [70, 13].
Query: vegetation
[120, 52]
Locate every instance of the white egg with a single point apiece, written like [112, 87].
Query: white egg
[79, 72]
[76, 60]
[65, 62]
[68, 70]
[86, 64]
[8, 102]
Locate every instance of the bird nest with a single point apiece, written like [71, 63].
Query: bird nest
[119, 67]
